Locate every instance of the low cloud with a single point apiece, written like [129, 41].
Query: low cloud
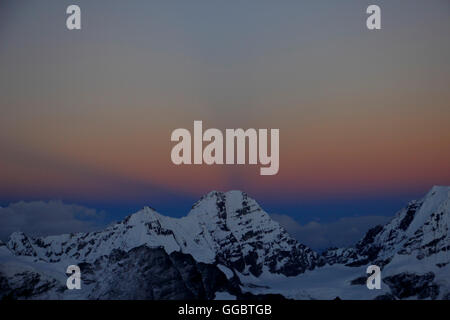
[341, 233]
[40, 218]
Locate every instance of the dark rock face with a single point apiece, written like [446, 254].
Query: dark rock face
[26, 285]
[299, 259]
[406, 285]
[339, 256]
[367, 248]
[142, 273]
[152, 274]
[436, 225]
[409, 216]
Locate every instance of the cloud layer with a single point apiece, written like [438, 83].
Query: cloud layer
[40, 218]
[341, 233]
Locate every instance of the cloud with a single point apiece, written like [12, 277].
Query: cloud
[40, 218]
[341, 233]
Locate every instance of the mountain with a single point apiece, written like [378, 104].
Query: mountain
[228, 228]
[420, 230]
[412, 250]
[227, 246]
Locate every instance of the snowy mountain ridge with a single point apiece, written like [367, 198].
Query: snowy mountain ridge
[421, 230]
[228, 246]
[228, 228]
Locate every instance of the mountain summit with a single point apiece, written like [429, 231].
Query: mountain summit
[420, 230]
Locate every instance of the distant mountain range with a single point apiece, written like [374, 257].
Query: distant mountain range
[228, 247]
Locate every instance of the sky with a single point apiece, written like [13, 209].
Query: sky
[87, 115]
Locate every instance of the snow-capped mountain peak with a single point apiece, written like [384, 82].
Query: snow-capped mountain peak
[421, 229]
[224, 227]
[216, 202]
[436, 201]
[245, 238]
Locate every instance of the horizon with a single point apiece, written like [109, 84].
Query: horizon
[96, 220]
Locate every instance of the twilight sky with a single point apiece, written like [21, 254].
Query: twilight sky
[87, 115]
